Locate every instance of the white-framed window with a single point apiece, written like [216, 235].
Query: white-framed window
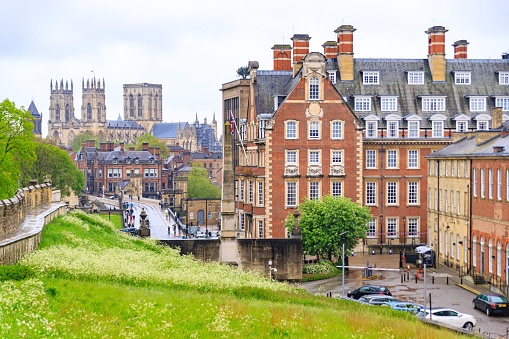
[242, 192]
[291, 157]
[502, 102]
[477, 104]
[413, 129]
[392, 129]
[446, 194]
[392, 193]
[291, 193]
[507, 185]
[461, 126]
[499, 184]
[260, 228]
[371, 129]
[416, 78]
[490, 256]
[413, 159]
[465, 250]
[503, 78]
[314, 88]
[483, 125]
[362, 104]
[371, 229]
[392, 227]
[490, 183]
[458, 196]
[242, 223]
[370, 193]
[474, 251]
[413, 227]
[452, 202]
[462, 78]
[314, 190]
[291, 130]
[336, 157]
[314, 157]
[437, 129]
[389, 104]
[392, 158]
[370, 159]
[440, 197]
[474, 177]
[433, 104]
[314, 130]
[370, 78]
[260, 193]
[332, 77]
[499, 259]
[250, 192]
[413, 192]
[482, 182]
[337, 188]
[337, 130]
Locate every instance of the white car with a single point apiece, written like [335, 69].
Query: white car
[450, 317]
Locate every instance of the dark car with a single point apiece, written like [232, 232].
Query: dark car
[368, 289]
[491, 303]
[130, 230]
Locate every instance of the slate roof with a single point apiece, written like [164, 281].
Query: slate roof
[200, 155]
[468, 147]
[125, 124]
[268, 85]
[167, 130]
[33, 110]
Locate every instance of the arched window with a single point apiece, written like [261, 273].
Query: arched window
[314, 89]
[67, 113]
[131, 105]
[57, 113]
[98, 111]
[89, 112]
[140, 106]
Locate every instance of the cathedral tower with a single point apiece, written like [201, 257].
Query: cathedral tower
[61, 108]
[93, 101]
[143, 103]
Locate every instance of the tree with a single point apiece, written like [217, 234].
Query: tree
[152, 142]
[199, 185]
[323, 221]
[55, 164]
[243, 72]
[82, 137]
[16, 146]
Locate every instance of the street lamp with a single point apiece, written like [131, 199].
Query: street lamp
[343, 273]
[271, 269]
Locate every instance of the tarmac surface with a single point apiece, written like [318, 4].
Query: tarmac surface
[443, 285]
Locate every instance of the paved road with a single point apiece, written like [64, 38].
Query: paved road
[442, 294]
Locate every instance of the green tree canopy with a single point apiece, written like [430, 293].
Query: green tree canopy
[152, 142]
[243, 72]
[199, 185]
[322, 221]
[55, 164]
[81, 138]
[16, 147]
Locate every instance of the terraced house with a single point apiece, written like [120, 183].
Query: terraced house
[332, 124]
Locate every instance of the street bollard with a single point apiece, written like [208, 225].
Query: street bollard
[433, 279]
[447, 280]
[401, 278]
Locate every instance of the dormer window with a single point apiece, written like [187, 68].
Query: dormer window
[371, 126]
[136, 161]
[332, 77]
[392, 125]
[388, 104]
[477, 104]
[115, 160]
[483, 122]
[314, 89]
[462, 78]
[416, 78]
[370, 78]
[502, 102]
[503, 78]
[437, 125]
[151, 160]
[414, 125]
[461, 126]
[362, 103]
[433, 104]
[128, 160]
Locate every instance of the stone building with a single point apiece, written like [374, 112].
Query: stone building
[37, 119]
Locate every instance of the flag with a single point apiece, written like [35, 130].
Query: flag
[232, 123]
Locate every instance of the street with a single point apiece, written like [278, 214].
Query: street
[450, 296]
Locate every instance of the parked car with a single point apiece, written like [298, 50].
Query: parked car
[130, 230]
[368, 289]
[491, 303]
[376, 299]
[449, 317]
[404, 306]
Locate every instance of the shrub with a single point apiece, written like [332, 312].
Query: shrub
[15, 272]
[322, 267]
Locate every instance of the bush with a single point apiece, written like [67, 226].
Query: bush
[15, 272]
[322, 267]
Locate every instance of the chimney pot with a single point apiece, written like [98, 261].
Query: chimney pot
[460, 49]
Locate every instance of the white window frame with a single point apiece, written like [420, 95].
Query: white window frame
[389, 104]
[260, 193]
[371, 228]
[499, 184]
[413, 159]
[413, 129]
[474, 178]
[337, 188]
[437, 128]
[458, 195]
[291, 128]
[336, 130]
[462, 78]
[392, 193]
[291, 157]
[503, 78]
[314, 157]
[260, 228]
[314, 190]
[371, 193]
[392, 129]
[392, 159]
[291, 193]
[413, 227]
[362, 103]
[370, 77]
[392, 227]
[370, 158]
[416, 78]
[502, 102]
[477, 104]
[314, 130]
[314, 88]
[242, 191]
[413, 193]
[461, 126]
[332, 77]
[250, 191]
[336, 157]
[481, 173]
[483, 125]
[371, 129]
[433, 104]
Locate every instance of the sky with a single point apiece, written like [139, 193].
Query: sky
[192, 47]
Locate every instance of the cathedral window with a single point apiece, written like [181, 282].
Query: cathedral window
[67, 113]
[89, 112]
[57, 113]
[140, 106]
[99, 112]
[131, 105]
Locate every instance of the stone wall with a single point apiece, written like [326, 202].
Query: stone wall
[13, 210]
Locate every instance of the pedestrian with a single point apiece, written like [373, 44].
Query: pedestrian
[174, 229]
[134, 217]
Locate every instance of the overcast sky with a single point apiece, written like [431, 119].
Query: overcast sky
[192, 47]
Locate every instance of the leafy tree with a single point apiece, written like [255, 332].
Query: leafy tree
[16, 146]
[199, 185]
[81, 138]
[152, 142]
[322, 221]
[55, 164]
[243, 72]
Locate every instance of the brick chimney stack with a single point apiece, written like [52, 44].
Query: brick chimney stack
[300, 50]
[345, 52]
[330, 49]
[496, 117]
[282, 57]
[122, 148]
[144, 146]
[436, 52]
[460, 49]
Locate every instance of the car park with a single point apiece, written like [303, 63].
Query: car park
[491, 303]
[368, 289]
[377, 299]
[449, 317]
[404, 306]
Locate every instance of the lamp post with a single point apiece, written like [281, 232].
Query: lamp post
[343, 273]
[271, 269]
